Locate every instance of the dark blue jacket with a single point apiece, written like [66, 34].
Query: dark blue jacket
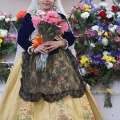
[27, 28]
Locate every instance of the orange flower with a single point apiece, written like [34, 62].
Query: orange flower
[37, 41]
[21, 14]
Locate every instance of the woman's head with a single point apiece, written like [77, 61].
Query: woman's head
[46, 5]
[58, 4]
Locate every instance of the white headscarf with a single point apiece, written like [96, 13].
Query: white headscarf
[34, 5]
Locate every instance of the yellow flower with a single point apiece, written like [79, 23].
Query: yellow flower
[1, 40]
[106, 34]
[109, 58]
[84, 61]
[88, 8]
[101, 32]
[1, 36]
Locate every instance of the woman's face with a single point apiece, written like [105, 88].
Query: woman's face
[46, 4]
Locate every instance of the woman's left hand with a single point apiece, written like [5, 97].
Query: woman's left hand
[52, 45]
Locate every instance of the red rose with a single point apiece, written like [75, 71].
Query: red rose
[90, 69]
[71, 19]
[114, 8]
[102, 14]
[107, 23]
[96, 71]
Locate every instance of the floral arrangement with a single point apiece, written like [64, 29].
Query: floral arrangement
[97, 31]
[49, 26]
[49, 23]
[8, 35]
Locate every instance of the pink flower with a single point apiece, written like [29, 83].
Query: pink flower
[81, 6]
[54, 20]
[35, 20]
[73, 10]
[6, 39]
[52, 14]
[117, 39]
[64, 26]
[89, 33]
[118, 31]
[118, 56]
[52, 17]
[74, 20]
[1, 13]
[110, 33]
[45, 18]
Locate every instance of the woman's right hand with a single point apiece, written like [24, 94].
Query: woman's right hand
[41, 49]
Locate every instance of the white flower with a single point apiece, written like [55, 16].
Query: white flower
[40, 12]
[112, 28]
[103, 4]
[2, 17]
[95, 27]
[7, 19]
[83, 71]
[92, 44]
[110, 14]
[109, 65]
[118, 14]
[3, 32]
[13, 19]
[85, 15]
[105, 41]
[106, 53]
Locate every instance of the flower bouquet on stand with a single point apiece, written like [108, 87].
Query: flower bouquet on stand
[100, 60]
[8, 35]
[49, 26]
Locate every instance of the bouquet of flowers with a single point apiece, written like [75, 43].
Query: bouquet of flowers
[8, 35]
[100, 60]
[49, 26]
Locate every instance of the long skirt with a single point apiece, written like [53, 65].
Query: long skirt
[13, 107]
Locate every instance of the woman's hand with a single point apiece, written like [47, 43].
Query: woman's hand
[41, 49]
[52, 45]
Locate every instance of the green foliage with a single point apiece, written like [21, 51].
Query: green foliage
[4, 72]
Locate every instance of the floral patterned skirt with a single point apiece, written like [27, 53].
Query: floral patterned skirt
[13, 107]
[59, 78]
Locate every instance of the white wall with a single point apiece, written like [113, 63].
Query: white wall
[13, 6]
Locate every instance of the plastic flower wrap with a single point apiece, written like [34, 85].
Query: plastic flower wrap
[49, 26]
[8, 35]
[97, 43]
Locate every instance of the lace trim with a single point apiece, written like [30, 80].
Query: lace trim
[51, 98]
